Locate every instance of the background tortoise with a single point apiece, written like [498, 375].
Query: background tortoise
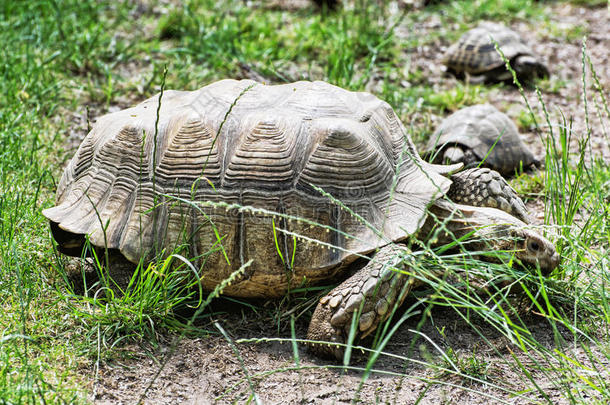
[478, 133]
[254, 158]
[475, 56]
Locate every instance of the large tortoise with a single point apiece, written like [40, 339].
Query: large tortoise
[474, 56]
[240, 171]
[480, 133]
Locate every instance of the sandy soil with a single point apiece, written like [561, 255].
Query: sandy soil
[207, 370]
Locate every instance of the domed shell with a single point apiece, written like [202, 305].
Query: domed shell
[475, 53]
[489, 133]
[300, 178]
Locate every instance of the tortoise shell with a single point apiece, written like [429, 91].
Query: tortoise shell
[301, 178]
[475, 53]
[488, 133]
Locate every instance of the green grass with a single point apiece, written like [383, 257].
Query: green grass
[590, 3]
[62, 55]
[466, 12]
[463, 95]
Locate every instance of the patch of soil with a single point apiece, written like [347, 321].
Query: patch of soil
[211, 370]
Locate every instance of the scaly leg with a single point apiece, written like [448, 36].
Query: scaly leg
[370, 294]
[483, 187]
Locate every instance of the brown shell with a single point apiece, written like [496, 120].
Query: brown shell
[234, 173]
[489, 133]
[475, 53]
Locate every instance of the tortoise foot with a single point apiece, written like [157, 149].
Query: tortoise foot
[362, 301]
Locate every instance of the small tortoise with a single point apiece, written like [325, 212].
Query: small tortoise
[480, 133]
[475, 56]
[240, 174]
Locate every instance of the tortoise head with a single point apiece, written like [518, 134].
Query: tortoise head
[533, 249]
[528, 67]
[486, 229]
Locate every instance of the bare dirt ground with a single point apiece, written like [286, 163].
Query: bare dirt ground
[207, 369]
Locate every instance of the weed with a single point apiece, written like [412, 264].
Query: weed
[462, 95]
[526, 121]
[504, 10]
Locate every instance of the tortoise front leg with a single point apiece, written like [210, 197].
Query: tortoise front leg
[370, 295]
[482, 187]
